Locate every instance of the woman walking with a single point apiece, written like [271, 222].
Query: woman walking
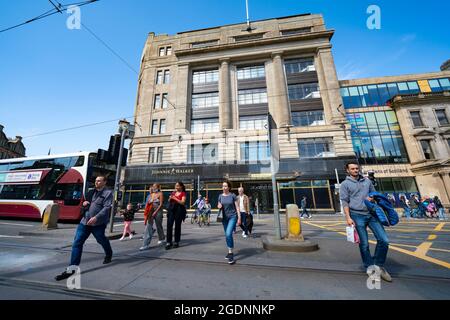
[176, 213]
[229, 204]
[153, 210]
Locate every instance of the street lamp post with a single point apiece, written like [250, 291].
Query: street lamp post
[123, 128]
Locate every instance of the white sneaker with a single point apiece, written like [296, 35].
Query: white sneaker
[160, 242]
[144, 248]
[130, 236]
[121, 239]
[302, 218]
[244, 235]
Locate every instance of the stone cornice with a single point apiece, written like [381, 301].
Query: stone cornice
[244, 44]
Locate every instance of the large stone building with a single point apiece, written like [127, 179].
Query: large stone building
[400, 131]
[202, 103]
[10, 148]
[425, 125]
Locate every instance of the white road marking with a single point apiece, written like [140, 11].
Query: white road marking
[17, 224]
[4, 236]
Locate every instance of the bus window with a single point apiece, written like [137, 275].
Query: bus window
[70, 193]
[19, 192]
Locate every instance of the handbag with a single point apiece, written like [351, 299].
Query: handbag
[219, 216]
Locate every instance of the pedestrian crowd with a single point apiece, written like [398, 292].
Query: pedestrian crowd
[422, 208]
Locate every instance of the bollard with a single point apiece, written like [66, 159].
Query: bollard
[50, 217]
[294, 228]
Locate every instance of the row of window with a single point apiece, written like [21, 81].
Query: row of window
[299, 119]
[378, 95]
[251, 151]
[427, 150]
[441, 117]
[303, 91]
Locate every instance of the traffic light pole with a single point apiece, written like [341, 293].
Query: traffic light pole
[123, 128]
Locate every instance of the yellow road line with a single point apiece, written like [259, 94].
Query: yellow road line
[432, 237]
[423, 248]
[417, 254]
[439, 226]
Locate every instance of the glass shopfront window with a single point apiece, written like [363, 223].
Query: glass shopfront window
[317, 192]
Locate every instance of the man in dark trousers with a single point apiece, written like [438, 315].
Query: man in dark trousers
[353, 191]
[97, 211]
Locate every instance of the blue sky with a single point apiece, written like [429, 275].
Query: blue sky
[53, 78]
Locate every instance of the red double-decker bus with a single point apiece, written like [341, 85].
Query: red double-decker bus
[29, 185]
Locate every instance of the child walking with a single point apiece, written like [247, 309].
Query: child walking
[128, 217]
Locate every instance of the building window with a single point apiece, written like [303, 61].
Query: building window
[377, 138]
[151, 155]
[157, 102]
[205, 125]
[416, 119]
[205, 76]
[249, 37]
[445, 84]
[448, 142]
[162, 51]
[295, 31]
[159, 155]
[205, 100]
[299, 65]
[252, 72]
[154, 127]
[442, 117]
[252, 96]
[203, 153]
[159, 75]
[316, 148]
[165, 101]
[253, 123]
[202, 44]
[426, 148]
[308, 118]
[253, 151]
[166, 76]
[303, 91]
[162, 126]
[168, 51]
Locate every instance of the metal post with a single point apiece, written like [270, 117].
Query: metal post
[123, 128]
[257, 208]
[340, 202]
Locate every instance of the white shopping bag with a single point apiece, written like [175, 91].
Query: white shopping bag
[352, 234]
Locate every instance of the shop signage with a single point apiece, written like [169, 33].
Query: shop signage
[172, 171]
[389, 171]
[21, 177]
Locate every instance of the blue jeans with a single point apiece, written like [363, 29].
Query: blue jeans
[228, 226]
[244, 222]
[407, 212]
[361, 224]
[83, 232]
[441, 213]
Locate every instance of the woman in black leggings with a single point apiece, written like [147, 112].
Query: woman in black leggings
[176, 213]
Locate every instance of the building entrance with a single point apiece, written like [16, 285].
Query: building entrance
[261, 191]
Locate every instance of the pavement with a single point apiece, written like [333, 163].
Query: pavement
[418, 260]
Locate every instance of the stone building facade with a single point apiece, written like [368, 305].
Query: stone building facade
[201, 112]
[425, 123]
[10, 148]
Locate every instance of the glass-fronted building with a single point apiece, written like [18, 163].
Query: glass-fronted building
[375, 130]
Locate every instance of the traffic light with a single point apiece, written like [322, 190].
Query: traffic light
[102, 155]
[114, 148]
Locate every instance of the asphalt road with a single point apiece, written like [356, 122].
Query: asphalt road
[418, 260]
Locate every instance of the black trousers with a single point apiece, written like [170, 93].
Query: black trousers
[174, 216]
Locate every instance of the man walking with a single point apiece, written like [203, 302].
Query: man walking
[244, 208]
[354, 190]
[303, 206]
[97, 210]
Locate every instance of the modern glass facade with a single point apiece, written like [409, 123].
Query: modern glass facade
[377, 138]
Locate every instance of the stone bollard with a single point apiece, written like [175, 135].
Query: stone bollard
[50, 217]
[293, 225]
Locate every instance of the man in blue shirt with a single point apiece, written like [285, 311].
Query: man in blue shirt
[97, 210]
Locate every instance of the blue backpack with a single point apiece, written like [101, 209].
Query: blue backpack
[382, 209]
